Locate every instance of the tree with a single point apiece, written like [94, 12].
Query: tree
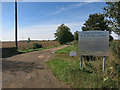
[63, 34]
[112, 11]
[76, 35]
[96, 22]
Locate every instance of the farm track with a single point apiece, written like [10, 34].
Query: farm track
[29, 70]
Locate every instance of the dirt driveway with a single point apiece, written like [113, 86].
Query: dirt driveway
[29, 71]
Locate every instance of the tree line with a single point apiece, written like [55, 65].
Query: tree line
[109, 20]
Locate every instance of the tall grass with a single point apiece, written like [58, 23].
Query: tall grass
[67, 69]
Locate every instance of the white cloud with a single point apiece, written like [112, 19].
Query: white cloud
[75, 26]
[8, 36]
[44, 31]
[66, 8]
[39, 32]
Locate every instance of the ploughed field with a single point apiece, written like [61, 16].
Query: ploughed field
[24, 45]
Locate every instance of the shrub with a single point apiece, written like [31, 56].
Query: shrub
[114, 47]
[37, 45]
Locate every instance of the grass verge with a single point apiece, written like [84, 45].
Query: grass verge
[66, 68]
[67, 49]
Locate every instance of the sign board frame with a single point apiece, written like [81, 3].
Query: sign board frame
[93, 43]
[72, 53]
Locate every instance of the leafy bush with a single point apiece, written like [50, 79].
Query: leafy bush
[37, 45]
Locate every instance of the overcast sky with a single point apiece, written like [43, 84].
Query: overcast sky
[39, 20]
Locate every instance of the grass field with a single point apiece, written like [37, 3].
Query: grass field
[67, 69]
[31, 50]
[24, 45]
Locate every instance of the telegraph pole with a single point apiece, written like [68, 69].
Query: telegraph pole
[16, 25]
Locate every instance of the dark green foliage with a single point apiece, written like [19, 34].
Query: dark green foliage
[36, 45]
[63, 34]
[89, 58]
[76, 35]
[112, 11]
[96, 22]
[110, 38]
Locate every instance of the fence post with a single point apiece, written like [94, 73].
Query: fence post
[104, 63]
[81, 62]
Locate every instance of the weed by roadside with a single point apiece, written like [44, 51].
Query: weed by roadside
[91, 76]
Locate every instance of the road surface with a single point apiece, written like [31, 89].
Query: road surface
[29, 70]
